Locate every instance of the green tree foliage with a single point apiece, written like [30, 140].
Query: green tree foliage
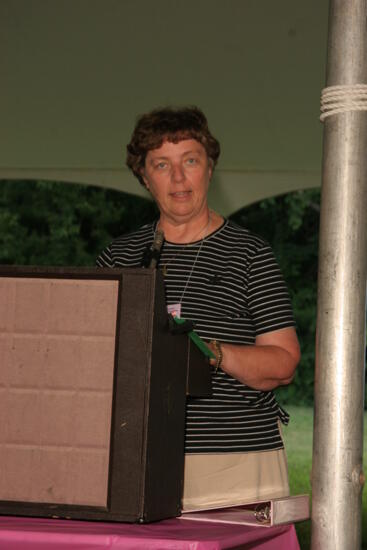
[45, 223]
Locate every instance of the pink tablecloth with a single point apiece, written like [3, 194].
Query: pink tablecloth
[173, 534]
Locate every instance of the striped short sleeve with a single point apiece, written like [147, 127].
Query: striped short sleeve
[268, 296]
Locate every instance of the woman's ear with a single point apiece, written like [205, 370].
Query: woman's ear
[210, 168]
[144, 178]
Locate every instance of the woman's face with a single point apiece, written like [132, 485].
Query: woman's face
[178, 177]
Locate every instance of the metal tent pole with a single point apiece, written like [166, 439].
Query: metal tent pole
[337, 477]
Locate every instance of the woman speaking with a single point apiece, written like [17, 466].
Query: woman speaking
[227, 281]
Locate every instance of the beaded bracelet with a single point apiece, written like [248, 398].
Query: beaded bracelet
[219, 354]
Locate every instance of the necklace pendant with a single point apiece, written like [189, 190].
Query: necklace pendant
[164, 270]
[174, 310]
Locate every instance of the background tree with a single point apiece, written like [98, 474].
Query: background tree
[47, 223]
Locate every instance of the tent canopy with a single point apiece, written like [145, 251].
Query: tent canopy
[75, 74]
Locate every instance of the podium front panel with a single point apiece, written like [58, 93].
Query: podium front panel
[92, 395]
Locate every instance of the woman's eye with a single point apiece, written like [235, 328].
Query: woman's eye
[161, 165]
[191, 161]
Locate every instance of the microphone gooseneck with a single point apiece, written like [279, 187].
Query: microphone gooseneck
[155, 249]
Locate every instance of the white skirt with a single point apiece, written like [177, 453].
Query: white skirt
[229, 479]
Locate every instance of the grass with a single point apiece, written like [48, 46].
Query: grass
[298, 440]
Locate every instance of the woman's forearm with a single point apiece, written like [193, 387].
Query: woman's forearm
[271, 362]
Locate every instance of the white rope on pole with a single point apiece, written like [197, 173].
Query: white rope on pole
[342, 99]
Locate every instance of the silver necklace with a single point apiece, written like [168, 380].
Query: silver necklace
[203, 231]
[175, 309]
[192, 268]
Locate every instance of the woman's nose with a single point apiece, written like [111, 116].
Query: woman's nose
[177, 173]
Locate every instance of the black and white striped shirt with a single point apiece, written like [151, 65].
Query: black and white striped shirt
[230, 285]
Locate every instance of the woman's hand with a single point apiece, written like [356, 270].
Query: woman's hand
[271, 362]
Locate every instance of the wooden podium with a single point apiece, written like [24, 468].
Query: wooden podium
[92, 395]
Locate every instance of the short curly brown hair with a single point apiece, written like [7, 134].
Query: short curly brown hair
[168, 124]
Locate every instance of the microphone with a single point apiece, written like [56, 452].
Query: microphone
[151, 255]
[156, 248]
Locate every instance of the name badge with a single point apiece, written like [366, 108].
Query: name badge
[174, 309]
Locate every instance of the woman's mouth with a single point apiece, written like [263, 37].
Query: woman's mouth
[181, 194]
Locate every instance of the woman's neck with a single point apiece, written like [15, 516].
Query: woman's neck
[192, 230]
